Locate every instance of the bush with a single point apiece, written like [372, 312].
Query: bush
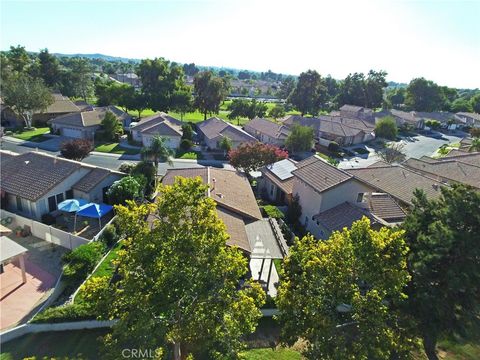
[386, 128]
[76, 149]
[273, 212]
[70, 312]
[186, 144]
[48, 219]
[128, 188]
[334, 147]
[81, 261]
[127, 167]
[109, 235]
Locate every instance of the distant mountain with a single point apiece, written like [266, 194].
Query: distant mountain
[99, 56]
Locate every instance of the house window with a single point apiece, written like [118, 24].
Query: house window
[359, 197]
[271, 190]
[59, 198]
[52, 205]
[19, 203]
[69, 194]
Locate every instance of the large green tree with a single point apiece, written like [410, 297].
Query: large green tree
[309, 94]
[475, 103]
[77, 80]
[424, 95]
[160, 80]
[344, 295]
[352, 90]
[375, 83]
[112, 127]
[444, 261]
[19, 58]
[25, 96]
[252, 156]
[49, 69]
[246, 108]
[300, 138]
[386, 128]
[181, 288]
[210, 91]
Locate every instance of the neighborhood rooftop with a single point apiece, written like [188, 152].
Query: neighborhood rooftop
[235, 200]
[216, 128]
[397, 180]
[320, 175]
[269, 128]
[159, 123]
[32, 175]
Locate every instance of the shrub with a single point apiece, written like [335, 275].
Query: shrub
[48, 219]
[187, 132]
[126, 167]
[109, 235]
[273, 212]
[128, 188]
[81, 261]
[70, 312]
[475, 132]
[334, 147]
[386, 128]
[186, 144]
[76, 149]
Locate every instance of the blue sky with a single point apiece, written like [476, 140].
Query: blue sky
[437, 39]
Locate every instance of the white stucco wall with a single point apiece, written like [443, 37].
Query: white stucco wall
[172, 142]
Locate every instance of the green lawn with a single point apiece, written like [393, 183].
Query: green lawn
[196, 116]
[190, 154]
[115, 148]
[80, 345]
[84, 345]
[106, 268]
[269, 354]
[35, 135]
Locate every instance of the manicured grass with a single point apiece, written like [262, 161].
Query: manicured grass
[35, 135]
[269, 354]
[278, 265]
[79, 344]
[106, 268]
[115, 148]
[192, 155]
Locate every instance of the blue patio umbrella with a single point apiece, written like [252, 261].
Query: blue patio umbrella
[93, 210]
[71, 205]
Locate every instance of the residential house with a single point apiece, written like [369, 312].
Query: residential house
[356, 112]
[213, 130]
[398, 181]
[321, 187]
[159, 124]
[448, 171]
[33, 184]
[276, 182]
[84, 124]
[60, 106]
[128, 78]
[343, 131]
[267, 131]
[468, 119]
[236, 203]
[402, 118]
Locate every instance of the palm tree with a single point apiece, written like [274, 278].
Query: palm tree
[158, 150]
[475, 146]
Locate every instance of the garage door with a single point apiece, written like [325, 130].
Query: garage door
[73, 133]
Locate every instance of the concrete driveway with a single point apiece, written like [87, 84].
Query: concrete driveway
[53, 144]
[414, 147]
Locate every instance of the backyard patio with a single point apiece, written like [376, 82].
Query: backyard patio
[42, 266]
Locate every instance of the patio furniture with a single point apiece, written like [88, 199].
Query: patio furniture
[93, 210]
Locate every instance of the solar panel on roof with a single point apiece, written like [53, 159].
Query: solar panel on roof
[283, 169]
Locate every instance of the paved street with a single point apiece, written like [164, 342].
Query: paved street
[113, 161]
[415, 147]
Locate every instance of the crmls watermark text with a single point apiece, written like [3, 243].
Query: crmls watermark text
[141, 353]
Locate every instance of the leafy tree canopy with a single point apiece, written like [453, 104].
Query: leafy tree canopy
[300, 138]
[252, 156]
[343, 295]
[172, 298]
[309, 94]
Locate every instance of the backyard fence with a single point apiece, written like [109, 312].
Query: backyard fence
[36, 328]
[44, 232]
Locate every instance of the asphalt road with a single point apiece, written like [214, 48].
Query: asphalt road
[415, 147]
[113, 161]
